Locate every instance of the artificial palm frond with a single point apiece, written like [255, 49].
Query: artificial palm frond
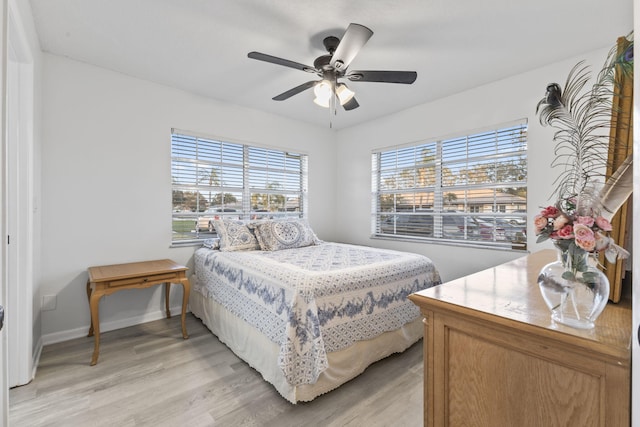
[583, 121]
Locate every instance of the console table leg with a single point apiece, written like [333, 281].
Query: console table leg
[89, 301]
[167, 288]
[95, 322]
[186, 288]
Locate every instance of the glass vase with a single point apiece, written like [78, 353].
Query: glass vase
[573, 288]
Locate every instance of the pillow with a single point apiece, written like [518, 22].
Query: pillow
[211, 243]
[235, 236]
[285, 234]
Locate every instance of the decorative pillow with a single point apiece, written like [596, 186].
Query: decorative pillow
[285, 234]
[211, 243]
[235, 236]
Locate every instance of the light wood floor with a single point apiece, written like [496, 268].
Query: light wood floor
[147, 375]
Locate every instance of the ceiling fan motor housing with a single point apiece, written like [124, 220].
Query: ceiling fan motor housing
[322, 63]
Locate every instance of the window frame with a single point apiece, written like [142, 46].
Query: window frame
[435, 178]
[240, 185]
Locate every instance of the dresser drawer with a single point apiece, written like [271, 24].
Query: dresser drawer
[144, 279]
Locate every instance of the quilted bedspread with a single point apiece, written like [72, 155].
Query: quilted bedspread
[315, 299]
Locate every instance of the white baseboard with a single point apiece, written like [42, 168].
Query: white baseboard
[71, 334]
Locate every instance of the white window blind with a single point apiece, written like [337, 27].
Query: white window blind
[212, 179]
[470, 189]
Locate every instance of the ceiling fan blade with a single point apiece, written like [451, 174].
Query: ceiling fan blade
[296, 90]
[351, 104]
[353, 39]
[279, 61]
[406, 77]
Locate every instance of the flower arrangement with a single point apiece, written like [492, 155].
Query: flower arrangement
[573, 288]
[579, 223]
[576, 232]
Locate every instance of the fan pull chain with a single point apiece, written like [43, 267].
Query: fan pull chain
[333, 101]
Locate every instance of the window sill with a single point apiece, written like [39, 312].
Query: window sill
[185, 244]
[458, 243]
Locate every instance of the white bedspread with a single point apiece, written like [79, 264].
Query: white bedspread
[316, 299]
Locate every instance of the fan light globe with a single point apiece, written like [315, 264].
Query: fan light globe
[344, 93]
[322, 102]
[322, 90]
[323, 93]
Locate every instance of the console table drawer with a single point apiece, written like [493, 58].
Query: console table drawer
[141, 280]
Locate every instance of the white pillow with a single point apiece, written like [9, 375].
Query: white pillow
[235, 236]
[284, 234]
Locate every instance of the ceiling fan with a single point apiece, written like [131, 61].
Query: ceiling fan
[333, 66]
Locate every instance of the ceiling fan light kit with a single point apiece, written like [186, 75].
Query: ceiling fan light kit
[323, 92]
[329, 91]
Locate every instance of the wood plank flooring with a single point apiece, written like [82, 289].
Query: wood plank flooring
[147, 375]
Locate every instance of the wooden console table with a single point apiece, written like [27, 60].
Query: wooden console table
[107, 279]
[494, 357]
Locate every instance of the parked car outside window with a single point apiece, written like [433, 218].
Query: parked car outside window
[454, 226]
[205, 222]
[422, 224]
[488, 229]
[513, 229]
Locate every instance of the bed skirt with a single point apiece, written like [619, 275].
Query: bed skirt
[262, 354]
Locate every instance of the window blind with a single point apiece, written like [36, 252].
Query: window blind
[213, 179]
[469, 189]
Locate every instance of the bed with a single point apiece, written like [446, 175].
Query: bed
[309, 318]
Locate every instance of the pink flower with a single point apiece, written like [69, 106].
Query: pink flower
[581, 231]
[584, 237]
[603, 224]
[540, 223]
[565, 232]
[587, 245]
[550, 212]
[560, 222]
[586, 220]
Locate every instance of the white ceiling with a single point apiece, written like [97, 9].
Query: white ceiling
[201, 46]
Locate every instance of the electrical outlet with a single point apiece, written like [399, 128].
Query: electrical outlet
[48, 302]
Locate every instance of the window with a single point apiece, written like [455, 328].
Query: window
[469, 190]
[212, 179]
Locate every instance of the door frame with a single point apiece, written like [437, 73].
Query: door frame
[4, 365]
[19, 172]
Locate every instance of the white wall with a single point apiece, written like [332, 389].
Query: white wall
[107, 182]
[494, 104]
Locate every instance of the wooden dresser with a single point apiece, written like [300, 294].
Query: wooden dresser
[493, 356]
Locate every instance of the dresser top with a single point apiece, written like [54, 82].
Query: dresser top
[508, 294]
